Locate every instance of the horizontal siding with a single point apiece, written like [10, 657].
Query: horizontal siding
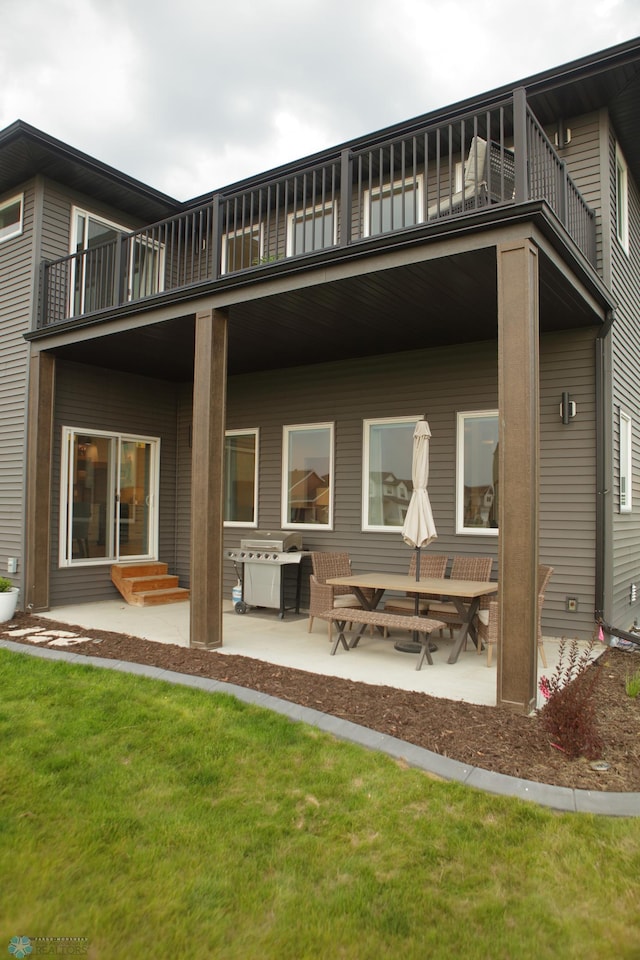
[15, 314]
[438, 384]
[626, 396]
[90, 398]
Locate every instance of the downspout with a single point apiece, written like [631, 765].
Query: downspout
[602, 489]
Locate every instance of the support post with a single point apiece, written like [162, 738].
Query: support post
[518, 512]
[207, 480]
[38, 478]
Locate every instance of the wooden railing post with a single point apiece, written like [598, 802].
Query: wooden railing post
[216, 235]
[346, 191]
[563, 211]
[520, 148]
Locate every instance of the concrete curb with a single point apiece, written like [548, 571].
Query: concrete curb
[565, 799]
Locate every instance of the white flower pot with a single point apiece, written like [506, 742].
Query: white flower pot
[8, 603]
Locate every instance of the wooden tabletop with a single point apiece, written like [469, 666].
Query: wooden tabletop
[392, 581]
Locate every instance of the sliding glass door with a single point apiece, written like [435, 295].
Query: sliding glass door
[109, 497]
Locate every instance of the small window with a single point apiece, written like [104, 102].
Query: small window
[477, 472]
[393, 206]
[11, 217]
[622, 201]
[625, 463]
[241, 478]
[311, 229]
[307, 476]
[387, 455]
[242, 248]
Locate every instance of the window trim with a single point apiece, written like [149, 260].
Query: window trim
[244, 432]
[416, 183]
[310, 214]
[366, 456]
[625, 492]
[622, 200]
[287, 430]
[461, 530]
[236, 233]
[13, 230]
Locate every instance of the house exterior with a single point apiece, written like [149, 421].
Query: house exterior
[175, 375]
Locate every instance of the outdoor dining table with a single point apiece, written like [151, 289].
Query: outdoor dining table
[465, 594]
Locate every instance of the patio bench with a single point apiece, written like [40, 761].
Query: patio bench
[423, 626]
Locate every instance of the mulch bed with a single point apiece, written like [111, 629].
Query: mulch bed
[488, 737]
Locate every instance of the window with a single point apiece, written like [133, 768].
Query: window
[622, 209]
[625, 463]
[387, 455]
[393, 206]
[477, 472]
[242, 248]
[109, 497]
[311, 229]
[241, 478]
[307, 476]
[97, 242]
[11, 217]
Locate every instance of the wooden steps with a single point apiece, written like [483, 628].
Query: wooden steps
[147, 584]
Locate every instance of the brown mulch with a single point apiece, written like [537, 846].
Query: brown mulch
[488, 737]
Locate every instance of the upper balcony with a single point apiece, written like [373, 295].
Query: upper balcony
[421, 177]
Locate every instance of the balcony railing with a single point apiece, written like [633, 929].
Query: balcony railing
[427, 176]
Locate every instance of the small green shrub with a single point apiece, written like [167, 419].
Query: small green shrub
[569, 713]
[5, 585]
[632, 684]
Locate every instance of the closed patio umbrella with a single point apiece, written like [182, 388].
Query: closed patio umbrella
[419, 528]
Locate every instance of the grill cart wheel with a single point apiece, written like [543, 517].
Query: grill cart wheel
[241, 607]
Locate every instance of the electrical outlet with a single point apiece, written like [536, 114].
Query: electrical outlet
[12, 564]
[572, 604]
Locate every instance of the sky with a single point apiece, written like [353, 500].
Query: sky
[191, 95]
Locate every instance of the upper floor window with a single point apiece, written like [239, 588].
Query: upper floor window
[311, 229]
[625, 463]
[11, 217]
[477, 472]
[96, 242]
[386, 489]
[393, 206]
[241, 478]
[622, 201]
[307, 476]
[242, 248]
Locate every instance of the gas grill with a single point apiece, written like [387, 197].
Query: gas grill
[262, 562]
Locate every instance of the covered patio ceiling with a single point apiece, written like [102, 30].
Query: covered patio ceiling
[432, 303]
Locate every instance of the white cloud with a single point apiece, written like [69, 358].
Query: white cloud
[189, 97]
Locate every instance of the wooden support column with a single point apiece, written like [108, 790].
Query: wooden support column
[519, 428]
[207, 480]
[38, 477]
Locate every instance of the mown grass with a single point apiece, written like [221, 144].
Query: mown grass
[157, 821]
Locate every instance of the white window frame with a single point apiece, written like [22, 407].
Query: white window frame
[255, 433]
[14, 229]
[256, 230]
[319, 211]
[65, 551]
[461, 418]
[368, 527]
[622, 201]
[626, 462]
[399, 185]
[287, 431]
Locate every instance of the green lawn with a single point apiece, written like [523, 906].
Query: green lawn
[160, 821]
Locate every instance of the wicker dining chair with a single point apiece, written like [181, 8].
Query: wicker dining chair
[324, 596]
[488, 633]
[462, 568]
[431, 566]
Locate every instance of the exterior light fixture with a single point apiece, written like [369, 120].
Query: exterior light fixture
[567, 408]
